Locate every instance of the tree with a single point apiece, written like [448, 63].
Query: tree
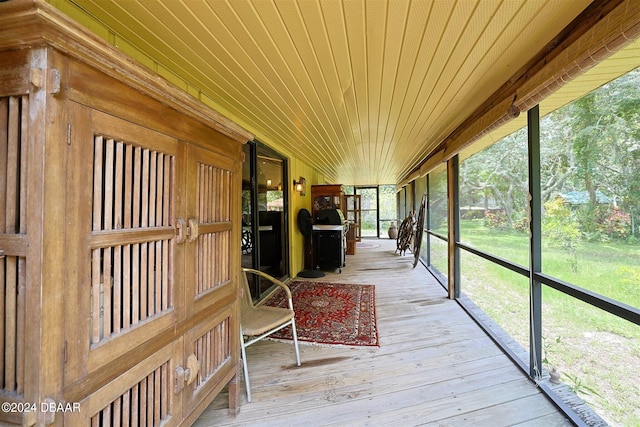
[498, 174]
[561, 229]
[606, 128]
[557, 157]
[589, 145]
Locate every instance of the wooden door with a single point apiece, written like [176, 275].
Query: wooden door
[120, 336]
[213, 183]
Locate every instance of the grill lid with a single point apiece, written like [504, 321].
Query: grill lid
[329, 217]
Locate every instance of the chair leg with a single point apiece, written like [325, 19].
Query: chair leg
[295, 340]
[246, 370]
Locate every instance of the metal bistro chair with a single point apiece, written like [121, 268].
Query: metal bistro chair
[259, 321]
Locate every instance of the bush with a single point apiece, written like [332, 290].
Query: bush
[561, 228]
[521, 225]
[613, 223]
[496, 219]
[559, 224]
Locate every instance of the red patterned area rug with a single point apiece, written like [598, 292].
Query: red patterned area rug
[331, 313]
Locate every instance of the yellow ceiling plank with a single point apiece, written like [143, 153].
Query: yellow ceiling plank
[534, 17]
[392, 49]
[416, 48]
[446, 55]
[311, 79]
[395, 94]
[485, 33]
[343, 93]
[414, 101]
[235, 69]
[376, 31]
[275, 99]
[144, 37]
[272, 58]
[284, 25]
[339, 131]
[139, 26]
[355, 24]
[449, 91]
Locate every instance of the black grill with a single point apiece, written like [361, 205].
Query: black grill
[329, 235]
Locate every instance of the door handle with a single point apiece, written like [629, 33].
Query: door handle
[187, 230]
[193, 368]
[181, 229]
[192, 230]
[185, 376]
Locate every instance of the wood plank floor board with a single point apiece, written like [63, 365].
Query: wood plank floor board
[413, 368]
[403, 377]
[408, 361]
[550, 420]
[529, 410]
[341, 400]
[435, 354]
[434, 366]
[487, 406]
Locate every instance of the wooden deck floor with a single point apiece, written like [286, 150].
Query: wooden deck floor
[434, 366]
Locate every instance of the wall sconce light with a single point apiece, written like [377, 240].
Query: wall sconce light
[300, 186]
[268, 183]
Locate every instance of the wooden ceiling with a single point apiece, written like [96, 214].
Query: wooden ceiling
[362, 91]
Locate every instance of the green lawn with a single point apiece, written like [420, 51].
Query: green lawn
[598, 353]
